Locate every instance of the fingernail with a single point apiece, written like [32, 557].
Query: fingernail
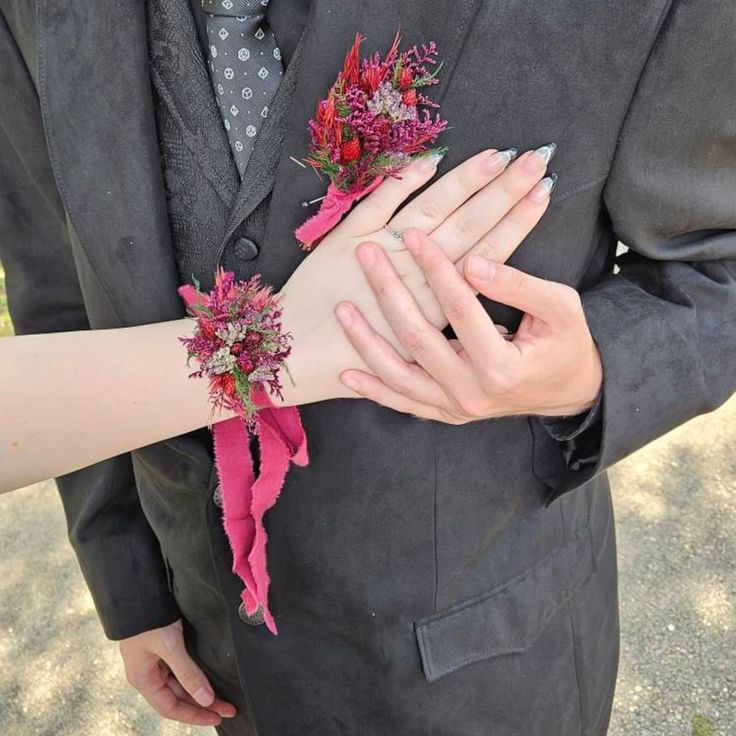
[546, 153]
[543, 189]
[431, 161]
[344, 315]
[481, 268]
[204, 696]
[366, 256]
[499, 160]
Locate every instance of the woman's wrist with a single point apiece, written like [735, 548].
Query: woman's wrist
[313, 367]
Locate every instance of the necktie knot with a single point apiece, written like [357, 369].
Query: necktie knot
[236, 8]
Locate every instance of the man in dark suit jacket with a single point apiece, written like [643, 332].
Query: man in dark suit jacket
[427, 578]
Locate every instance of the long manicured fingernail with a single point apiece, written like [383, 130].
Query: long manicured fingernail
[499, 160]
[431, 161]
[344, 315]
[366, 256]
[481, 268]
[546, 153]
[543, 189]
[204, 696]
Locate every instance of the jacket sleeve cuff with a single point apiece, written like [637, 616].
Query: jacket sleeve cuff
[564, 429]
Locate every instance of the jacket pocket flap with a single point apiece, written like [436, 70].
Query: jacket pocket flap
[509, 618]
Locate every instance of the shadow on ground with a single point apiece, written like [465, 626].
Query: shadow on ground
[676, 515]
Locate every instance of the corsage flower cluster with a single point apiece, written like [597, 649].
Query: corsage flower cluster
[238, 341]
[374, 121]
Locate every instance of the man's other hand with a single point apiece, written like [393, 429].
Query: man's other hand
[159, 667]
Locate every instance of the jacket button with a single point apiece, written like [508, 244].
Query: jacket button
[217, 496]
[255, 620]
[246, 249]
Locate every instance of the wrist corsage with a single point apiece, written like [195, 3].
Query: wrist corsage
[238, 342]
[241, 348]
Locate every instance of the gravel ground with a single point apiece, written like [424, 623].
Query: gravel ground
[676, 517]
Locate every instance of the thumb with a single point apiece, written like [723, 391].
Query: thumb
[546, 300]
[187, 672]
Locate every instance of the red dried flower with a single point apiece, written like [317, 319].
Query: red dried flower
[351, 68]
[405, 78]
[350, 151]
[225, 382]
[326, 112]
[409, 98]
[371, 78]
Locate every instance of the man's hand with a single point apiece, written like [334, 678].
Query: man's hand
[158, 666]
[551, 367]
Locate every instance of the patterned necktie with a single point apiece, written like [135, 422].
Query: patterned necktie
[245, 68]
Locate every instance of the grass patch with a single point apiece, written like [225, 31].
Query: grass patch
[703, 726]
[6, 326]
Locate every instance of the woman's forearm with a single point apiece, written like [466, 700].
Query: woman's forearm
[70, 399]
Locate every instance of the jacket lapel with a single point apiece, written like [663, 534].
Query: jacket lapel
[330, 29]
[96, 103]
[179, 73]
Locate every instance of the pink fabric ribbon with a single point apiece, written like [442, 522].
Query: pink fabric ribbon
[334, 206]
[246, 498]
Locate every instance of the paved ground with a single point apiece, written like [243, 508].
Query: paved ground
[676, 513]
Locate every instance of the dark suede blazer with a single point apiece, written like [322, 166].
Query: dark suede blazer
[427, 578]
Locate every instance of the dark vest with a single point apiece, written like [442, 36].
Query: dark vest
[215, 218]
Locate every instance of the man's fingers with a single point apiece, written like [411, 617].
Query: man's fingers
[165, 702]
[376, 209]
[500, 243]
[549, 301]
[383, 360]
[420, 339]
[430, 208]
[471, 323]
[173, 652]
[219, 706]
[373, 389]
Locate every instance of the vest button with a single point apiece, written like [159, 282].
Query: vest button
[256, 619]
[246, 249]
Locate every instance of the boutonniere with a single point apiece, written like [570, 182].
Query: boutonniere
[374, 121]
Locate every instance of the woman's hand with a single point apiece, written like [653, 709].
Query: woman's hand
[483, 205]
